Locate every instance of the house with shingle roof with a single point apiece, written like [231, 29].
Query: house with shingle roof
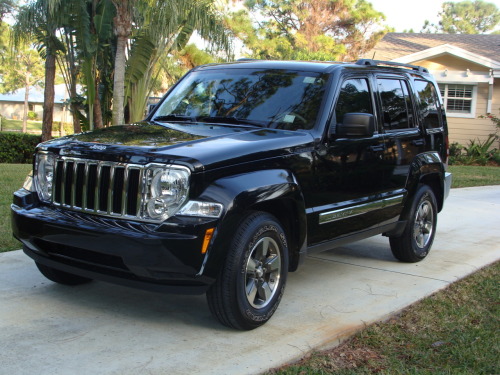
[467, 69]
[12, 105]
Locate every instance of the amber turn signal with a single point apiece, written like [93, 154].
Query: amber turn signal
[206, 241]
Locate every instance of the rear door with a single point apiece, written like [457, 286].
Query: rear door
[403, 139]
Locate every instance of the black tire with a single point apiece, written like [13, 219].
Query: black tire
[416, 240]
[250, 286]
[61, 277]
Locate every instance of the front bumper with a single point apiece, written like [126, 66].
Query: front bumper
[166, 257]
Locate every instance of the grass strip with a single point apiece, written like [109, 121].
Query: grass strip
[12, 177]
[470, 176]
[454, 331]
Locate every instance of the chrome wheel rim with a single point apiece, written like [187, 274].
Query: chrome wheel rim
[424, 224]
[262, 273]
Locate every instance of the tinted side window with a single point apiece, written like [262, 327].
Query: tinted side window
[354, 97]
[396, 104]
[428, 106]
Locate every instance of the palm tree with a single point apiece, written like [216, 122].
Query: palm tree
[38, 22]
[154, 28]
[123, 30]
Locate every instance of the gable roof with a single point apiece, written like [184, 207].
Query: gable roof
[396, 45]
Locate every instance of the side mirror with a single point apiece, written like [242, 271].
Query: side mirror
[356, 125]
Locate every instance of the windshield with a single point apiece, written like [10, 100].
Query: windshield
[268, 98]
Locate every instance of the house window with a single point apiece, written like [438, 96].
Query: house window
[459, 100]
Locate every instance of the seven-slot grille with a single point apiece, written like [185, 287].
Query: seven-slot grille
[99, 187]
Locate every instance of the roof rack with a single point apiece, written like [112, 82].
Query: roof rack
[246, 59]
[371, 62]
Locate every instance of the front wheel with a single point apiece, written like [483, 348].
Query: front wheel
[416, 241]
[250, 286]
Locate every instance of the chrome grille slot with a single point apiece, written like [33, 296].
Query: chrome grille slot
[99, 187]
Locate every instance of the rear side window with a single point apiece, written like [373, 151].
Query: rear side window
[428, 107]
[397, 110]
[354, 97]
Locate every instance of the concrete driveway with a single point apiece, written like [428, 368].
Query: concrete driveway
[106, 329]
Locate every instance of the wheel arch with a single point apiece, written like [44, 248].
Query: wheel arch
[428, 169]
[273, 191]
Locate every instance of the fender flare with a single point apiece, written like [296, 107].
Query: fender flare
[260, 190]
[427, 168]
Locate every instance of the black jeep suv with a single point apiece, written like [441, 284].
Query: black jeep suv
[237, 174]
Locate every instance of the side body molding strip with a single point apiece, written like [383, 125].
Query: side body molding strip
[328, 217]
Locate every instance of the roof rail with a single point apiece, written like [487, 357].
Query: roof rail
[371, 62]
[246, 59]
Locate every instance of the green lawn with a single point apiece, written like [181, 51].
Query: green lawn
[8, 124]
[12, 177]
[468, 176]
[454, 331]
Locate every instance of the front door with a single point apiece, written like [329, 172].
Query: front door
[349, 172]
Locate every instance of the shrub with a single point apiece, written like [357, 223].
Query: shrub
[476, 152]
[32, 115]
[18, 148]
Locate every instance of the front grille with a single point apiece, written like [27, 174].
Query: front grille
[99, 187]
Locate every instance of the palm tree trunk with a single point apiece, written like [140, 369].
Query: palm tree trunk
[74, 108]
[119, 81]
[97, 110]
[48, 97]
[123, 28]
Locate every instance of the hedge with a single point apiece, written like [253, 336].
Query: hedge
[18, 147]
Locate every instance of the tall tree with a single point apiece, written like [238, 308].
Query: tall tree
[310, 29]
[165, 30]
[21, 67]
[6, 6]
[38, 22]
[123, 31]
[465, 17]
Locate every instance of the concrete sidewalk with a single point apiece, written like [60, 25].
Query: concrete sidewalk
[100, 328]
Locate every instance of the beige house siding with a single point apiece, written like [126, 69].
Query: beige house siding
[15, 110]
[451, 63]
[462, 130]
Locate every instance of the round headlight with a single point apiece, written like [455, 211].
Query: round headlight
[45, 167]
[168, 192]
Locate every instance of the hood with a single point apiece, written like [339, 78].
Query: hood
[200, 146]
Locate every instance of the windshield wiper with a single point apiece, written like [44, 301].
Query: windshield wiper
[173, 117]
[231, 120]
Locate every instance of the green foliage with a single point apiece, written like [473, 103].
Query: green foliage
[309, 30]
[465, 17]
[21, 65]
[17, 148]
[159, 34]
[32, 115]
[12, 177]
[476, 152]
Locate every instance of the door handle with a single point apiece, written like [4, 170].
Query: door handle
[418, 142]
[377, 148]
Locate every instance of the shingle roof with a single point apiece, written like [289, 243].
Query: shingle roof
[394, 45]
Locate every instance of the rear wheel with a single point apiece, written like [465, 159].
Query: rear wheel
[416, 241]
[61, 277]
[251, 284]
